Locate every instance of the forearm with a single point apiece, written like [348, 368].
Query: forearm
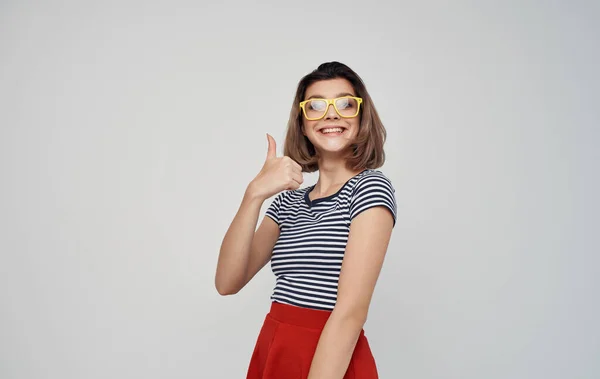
[335, 348]
[234, 254]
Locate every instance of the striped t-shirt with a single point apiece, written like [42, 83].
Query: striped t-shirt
[307, 257]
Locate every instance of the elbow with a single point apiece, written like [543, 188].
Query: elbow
[353, 317]
[225, 289]
[358, 320]
[228, 283]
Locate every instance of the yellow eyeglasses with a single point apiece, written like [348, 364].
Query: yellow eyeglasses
[316, 109]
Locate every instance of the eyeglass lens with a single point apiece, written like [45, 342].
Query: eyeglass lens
[346, 107]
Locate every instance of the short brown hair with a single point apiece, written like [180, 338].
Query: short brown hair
[367, 149]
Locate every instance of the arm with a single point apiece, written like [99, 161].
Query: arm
[368, 240]
[245, 251]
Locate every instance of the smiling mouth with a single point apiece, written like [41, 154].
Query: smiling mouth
[332, 131]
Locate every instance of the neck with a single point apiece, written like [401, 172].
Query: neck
[332, 175]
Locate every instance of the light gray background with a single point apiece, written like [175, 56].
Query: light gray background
[130, 129]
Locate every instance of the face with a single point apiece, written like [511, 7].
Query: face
[332, 133]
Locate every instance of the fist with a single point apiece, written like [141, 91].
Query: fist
[277, 174]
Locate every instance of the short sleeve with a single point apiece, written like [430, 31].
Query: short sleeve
[373, 191]
[274, 207]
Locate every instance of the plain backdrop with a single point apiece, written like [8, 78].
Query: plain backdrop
[130, 130]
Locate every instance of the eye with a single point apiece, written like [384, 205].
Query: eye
[345, 103]
[316, 105]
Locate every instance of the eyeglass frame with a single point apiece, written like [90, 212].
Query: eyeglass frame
[329, 102]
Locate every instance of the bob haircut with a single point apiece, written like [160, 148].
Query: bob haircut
[367, 148]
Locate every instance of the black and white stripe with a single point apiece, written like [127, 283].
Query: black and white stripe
[308, 255]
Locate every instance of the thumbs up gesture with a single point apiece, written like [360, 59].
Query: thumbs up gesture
[277, 174]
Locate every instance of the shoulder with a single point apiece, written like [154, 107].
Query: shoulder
[294, 195]
[373, 179]
[372, 188]
[288, 197]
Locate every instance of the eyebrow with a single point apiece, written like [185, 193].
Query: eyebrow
[338, 95]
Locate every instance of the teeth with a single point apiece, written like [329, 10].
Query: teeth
[332, 130]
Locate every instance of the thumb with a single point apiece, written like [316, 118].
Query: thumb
[272, 149]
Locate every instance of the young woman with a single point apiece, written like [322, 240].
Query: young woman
[326, 242]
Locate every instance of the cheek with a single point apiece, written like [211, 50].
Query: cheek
[308, 125]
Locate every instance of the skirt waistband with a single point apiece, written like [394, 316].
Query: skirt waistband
[299, 316]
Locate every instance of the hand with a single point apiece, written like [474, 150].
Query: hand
[277, 174]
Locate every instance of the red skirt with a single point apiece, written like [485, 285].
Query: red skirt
[287, 343]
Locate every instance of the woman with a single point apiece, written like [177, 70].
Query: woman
[326, 242]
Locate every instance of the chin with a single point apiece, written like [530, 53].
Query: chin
[332, 149]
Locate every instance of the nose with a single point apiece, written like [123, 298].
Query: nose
[331, 113]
